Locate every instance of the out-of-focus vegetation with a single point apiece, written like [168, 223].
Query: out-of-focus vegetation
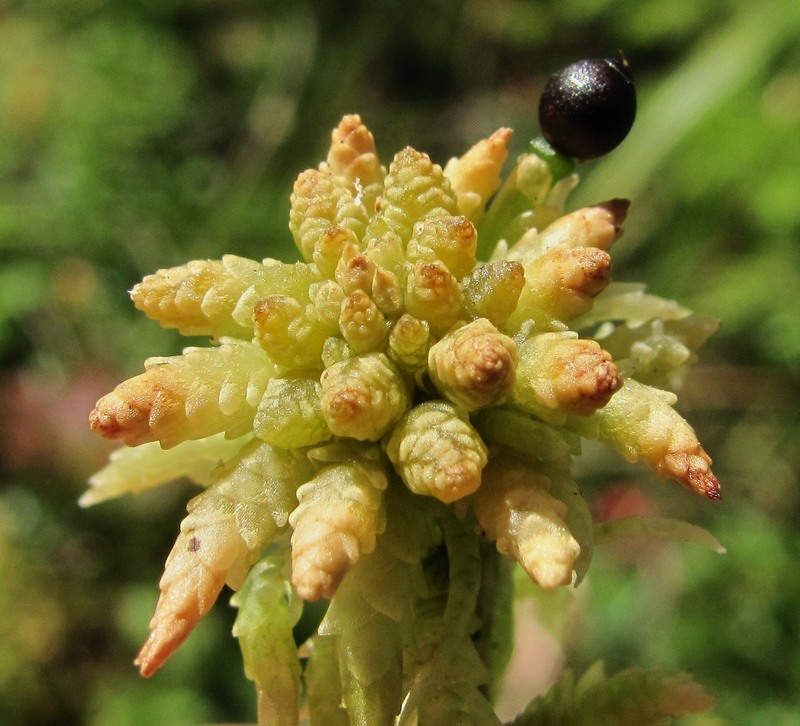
[139, 135]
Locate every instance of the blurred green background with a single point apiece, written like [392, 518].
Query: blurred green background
[141, 134]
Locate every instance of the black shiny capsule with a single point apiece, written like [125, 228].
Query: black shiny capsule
[588, 107]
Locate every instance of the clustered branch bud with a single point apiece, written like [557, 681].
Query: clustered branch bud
[347, 400]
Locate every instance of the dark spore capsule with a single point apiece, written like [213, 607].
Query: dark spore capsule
[588, 107]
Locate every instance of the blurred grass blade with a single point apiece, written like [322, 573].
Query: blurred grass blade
[660, 527]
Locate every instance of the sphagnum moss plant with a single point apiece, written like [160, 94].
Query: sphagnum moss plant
[366, 420]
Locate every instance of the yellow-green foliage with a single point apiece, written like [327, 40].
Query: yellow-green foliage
[366, 417]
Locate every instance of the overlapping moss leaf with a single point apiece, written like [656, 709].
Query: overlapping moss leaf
[633, 697]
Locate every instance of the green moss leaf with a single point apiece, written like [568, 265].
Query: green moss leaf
[633, 697]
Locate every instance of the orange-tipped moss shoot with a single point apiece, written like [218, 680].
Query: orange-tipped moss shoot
[362, 419]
